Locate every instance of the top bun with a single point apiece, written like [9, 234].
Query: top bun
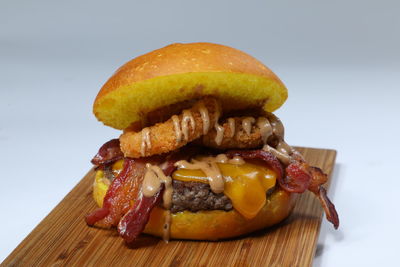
[180, 72]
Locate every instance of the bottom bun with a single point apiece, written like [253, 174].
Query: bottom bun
[210, 224]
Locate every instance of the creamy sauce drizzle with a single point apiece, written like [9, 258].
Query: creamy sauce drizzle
[284, 158]
[232, 126]
[284, 148]
[219, 129]
[220, 133]
[152, 181]
[177, 128]
[273, 126]
[265, 128]
[205, 118]
[210, 168]
[181, 127]
[247, 123]
[187, 118]
[268, 127]
[146, 142]
[277, 126]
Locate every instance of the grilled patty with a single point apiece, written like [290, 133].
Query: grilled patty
[194, 196]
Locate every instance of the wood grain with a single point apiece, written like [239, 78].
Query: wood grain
[64, 239]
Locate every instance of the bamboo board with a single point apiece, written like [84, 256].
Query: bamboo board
[64, 239]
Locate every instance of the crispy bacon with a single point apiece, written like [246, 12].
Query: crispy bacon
[122, 190]
[265, 156]
[330, 210]
[135, 220]
[109, 152]
[318, 179]
[297, 178]
[125, 188]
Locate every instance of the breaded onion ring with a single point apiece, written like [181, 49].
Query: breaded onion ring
[171, 135]
[236, 139]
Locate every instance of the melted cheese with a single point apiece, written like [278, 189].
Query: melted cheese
[245, 184]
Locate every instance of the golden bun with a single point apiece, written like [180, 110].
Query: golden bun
[210, 225]
[181, 72]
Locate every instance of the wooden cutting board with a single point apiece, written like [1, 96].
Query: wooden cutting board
[64, 239]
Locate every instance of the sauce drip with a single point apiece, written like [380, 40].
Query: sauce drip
[277, 126]
[268, 126]
[219, 129]
[186, 119]
[177, 128]
[210, 168]
[146, 143]
[284, 158]
[153, 178]
[205, 118]
[181, 127]
[247, 124]
[274, 126]
[220, 133]
[265, 128]
[232, 126]
[151, 184]
[284, 148]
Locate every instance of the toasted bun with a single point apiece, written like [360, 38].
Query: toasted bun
[181, 72]
[211, 225]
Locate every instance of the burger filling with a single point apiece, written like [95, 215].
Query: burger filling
[200, 159]
[247, 186]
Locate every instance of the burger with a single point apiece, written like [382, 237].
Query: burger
[201, 155]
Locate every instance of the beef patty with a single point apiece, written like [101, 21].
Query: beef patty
[195, 196]
[192, 196]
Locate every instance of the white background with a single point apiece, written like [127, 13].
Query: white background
[339, 59]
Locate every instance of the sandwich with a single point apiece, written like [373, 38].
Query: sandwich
[201, 156]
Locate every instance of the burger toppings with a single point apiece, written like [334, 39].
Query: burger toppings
[121, 192]
[160, 168]
[245, 184]
[108, 153]
[172, 134]
[135, 220]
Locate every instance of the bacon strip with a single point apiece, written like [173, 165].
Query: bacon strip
[109, 152]
[122, 190]
[318, 179]
[267, 157]
[125, 188]
[330, 211]
[297, 178]
[134, 222]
